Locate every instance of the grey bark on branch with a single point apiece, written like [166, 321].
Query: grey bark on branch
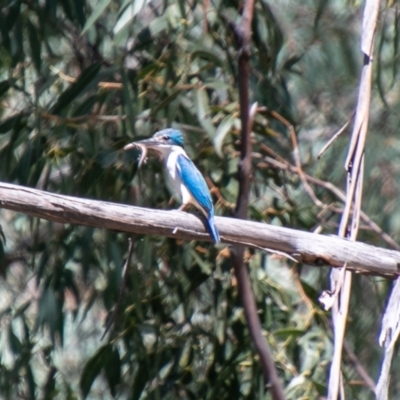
[310, 248]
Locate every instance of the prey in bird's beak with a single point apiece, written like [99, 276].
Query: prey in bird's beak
[144, 146]
[161, 142]
[143, 149]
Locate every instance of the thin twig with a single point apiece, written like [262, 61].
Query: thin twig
[82, 119]
[334, 137]
[339, 194]
[358, 366]
[352, 357]
[71, 79]
[296, 152]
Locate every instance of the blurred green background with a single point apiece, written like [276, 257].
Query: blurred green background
[79, 80]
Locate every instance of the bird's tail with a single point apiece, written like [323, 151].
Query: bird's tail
[213, 229]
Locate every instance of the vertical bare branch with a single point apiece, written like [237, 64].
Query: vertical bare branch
[341, 279]
[390, 322]
[388, 337]
[243, 37]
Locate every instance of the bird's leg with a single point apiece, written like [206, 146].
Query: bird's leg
[183, 207]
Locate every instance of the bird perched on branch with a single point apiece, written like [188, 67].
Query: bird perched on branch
[185, 180]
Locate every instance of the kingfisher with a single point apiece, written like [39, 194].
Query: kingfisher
[184, 179]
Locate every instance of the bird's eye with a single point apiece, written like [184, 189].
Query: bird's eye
[166, 137]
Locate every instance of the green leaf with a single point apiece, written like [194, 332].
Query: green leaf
[107, 158]
[205, 266]
[286, 333]
[29, 161]
[158, 25]
[112, 370]
[84, 79]
[9, 18]
[10, 123]
[31, 382]
[164, 103]
[66, 4]
[3, 263]
[49, 388]
[291, 61]
[79, 11]
[222, 130]
[4, 86]
[218, 85]
[93, 367]
[17, 42]
[40, 265]
[128, 14]
[98, 10]
[182, 4]
[19, 311]
[69, 283]
[203, 112]
[86, 106]
[130, 112]
[207, 55]
[34, 43]
[48, 311]
[13, 341]
[2, 235]
[320, 386]
[149, 69]
[140, 381]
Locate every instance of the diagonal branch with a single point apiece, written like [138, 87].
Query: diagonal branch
[309, 248]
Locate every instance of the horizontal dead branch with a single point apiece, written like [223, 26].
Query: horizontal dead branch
[306, 247]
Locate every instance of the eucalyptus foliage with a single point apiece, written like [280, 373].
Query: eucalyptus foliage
[79, 80]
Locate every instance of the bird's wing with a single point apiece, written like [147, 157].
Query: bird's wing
[195, 183]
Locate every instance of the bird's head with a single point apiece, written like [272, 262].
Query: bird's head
[161, 139]
[168, 137]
